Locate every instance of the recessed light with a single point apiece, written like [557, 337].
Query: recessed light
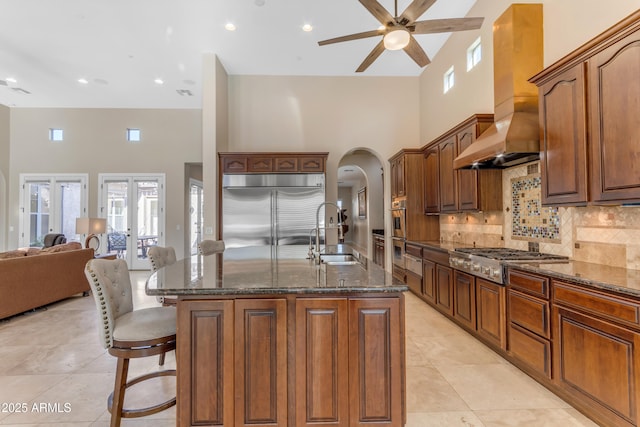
[229, 26]
[259, 2]
[307, 28]
[159, 81]
[83, 81]
[11, 80]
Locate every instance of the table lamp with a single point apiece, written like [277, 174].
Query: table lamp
[91, 227]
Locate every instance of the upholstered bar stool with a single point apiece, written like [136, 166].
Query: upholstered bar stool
[160, 256]
[129, 333]
[209, 247]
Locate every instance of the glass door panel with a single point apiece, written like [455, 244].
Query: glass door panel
[38, 213]
[196, 215]
[134, 209]
[51, 204]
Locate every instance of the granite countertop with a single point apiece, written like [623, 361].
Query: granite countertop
[230, 274]
[597, 276]
[444, 246]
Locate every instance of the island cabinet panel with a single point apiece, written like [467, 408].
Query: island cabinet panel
[205, 364]
[464, 299]
[322, 362]
[375, 365]
[291, 361]
[563, 139]
[614, 97]
[491, 313]
[261, 362]
[597, 363]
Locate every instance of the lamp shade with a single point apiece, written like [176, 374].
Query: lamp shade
[91, 225]
[396, 39]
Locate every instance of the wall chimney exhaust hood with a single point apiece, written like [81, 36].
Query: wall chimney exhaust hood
[514, 137]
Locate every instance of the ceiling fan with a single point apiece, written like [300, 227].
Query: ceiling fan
[398, 30]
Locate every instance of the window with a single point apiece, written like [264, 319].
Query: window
[474, 54]
[133, 135]
[56, 135]
[448, 80]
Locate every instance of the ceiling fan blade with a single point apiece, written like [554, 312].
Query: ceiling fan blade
[415, 51]
[371, 57]
[447, 25]
[377, 10]
[356, 36]
[415, 11]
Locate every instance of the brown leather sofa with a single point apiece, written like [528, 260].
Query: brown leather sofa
[34, 280]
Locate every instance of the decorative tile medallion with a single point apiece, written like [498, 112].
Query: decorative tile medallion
[530, 219]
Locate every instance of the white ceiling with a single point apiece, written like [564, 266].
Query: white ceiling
[121, 46]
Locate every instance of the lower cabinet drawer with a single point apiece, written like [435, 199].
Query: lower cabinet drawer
[529, 312]
[531, 349]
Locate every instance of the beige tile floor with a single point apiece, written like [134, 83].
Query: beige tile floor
[52, 362]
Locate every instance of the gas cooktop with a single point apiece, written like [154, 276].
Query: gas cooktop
[488, 262]
[506, 254]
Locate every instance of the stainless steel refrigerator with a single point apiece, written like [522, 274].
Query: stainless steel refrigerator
[270, 216]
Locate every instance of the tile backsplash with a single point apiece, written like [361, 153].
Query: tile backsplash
[599, 234]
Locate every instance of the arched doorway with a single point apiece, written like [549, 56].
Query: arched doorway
[361, 193]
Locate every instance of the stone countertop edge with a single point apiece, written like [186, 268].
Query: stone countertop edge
[595, 276]
[384, 282]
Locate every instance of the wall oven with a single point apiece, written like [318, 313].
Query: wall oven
[399, 219]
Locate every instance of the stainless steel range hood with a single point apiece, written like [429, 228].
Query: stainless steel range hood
[514, 138]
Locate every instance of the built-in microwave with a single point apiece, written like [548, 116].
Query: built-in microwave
[399, 219]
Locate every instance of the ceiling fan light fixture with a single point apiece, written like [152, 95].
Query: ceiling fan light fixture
[396, 39]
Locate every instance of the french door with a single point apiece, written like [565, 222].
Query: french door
[50, 203]
[196, 214]
[134, 208]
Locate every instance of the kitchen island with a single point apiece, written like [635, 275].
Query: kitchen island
[286, 342]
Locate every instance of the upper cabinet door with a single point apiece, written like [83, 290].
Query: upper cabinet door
[448, 175]
[431, 179]
[467, 178]
[614, 94]
[563, 139]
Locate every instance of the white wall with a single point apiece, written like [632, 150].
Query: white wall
[95, 143]
[567, 25]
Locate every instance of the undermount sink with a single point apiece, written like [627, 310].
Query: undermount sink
[338, 259]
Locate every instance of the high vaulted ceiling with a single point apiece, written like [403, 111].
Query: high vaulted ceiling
[120, 46]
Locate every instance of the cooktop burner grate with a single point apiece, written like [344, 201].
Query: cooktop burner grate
[508, 254]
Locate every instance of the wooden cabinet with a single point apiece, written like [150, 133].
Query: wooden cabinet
[444, 289]
[528, 322]
[431, 182]
[232, 362]
[407, 184]
[448, 177]
[587, 99]
[398, 177]
[322, 361]
[429, 281]
[464, 299]
[272, 162]
[597, 359]
[563, 139]
[491, 313]
[614, 100]
[295, 360]
[451, 190]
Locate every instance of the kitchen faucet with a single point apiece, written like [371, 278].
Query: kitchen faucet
[317, 229]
